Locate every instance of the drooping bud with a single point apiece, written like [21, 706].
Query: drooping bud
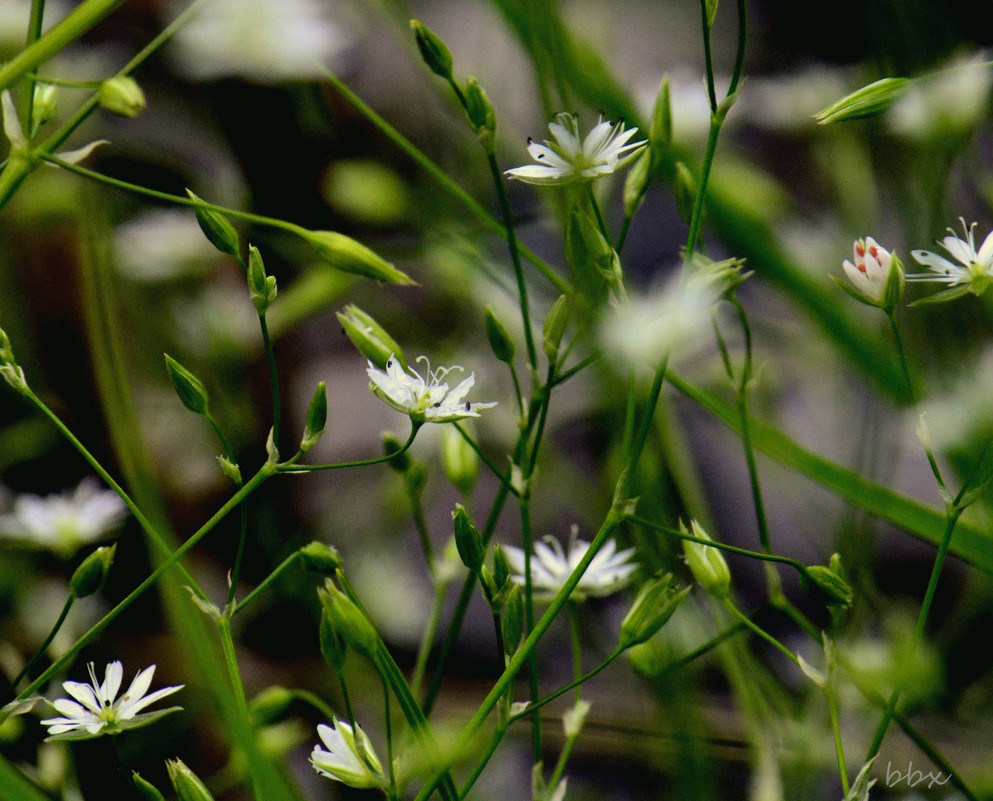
[349, 621]
[468, 540]
[372, 340]
[654, 605]
[345, 254]
[500, 340]
[262, 287]
[190, 389]
[319, 557]
[554, 327]
[459, 460]
[434, 52]
[482, 117]
[187, 784]
[830, 582]
[706, 563]
[121, 95]
[317, 418]
[215, 226]
[333, 647]
[92, 571]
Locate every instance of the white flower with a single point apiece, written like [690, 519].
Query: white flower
[347, 761]
[64, 523]
[568, 158]
[99, 710]
[607, 573]
[428, 401]
[974, 271]
[871, 269]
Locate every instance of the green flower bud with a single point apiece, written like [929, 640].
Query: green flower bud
[345, 254]
[468, 540]
[459, 460]
[121, 95]
[146, 790]
[500, 340]
[501, 568]
[92, 571]
[370, 337]
[44, 104]
[685, 192]
[215, 226]
[349, 621]
[434, 52]
[262, 287]
[589, 252]
[319, 557]
[660, 132]
[402, 461]
[6, 351]
[189, 388]
[830, 582]
[333, 647]
[188, 785]
[317, 418]
[651, 610]
[636, 183]
[706, 563]
[482, 117]
[865, 102]
[554, 327]
[270, 705]
[512, 620]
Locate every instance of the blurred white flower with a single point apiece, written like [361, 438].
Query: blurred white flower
[99, 711]
[161, 244]
[345, 760]
[66, 522]
[974, 271]
[428, 401]
[609, 571]
[569, 158]
[261, 40]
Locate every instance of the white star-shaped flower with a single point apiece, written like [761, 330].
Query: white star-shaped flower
[426, 401]
[609, 571]
[66, 522]
[97, 710]
[568, 158]
[345, 760]
[974, 271]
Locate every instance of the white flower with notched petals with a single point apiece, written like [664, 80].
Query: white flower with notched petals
[426, 401]
[609, 571]
[64, 523]
[569, 158]
[974, 271]
[97, 710]
[349, 758]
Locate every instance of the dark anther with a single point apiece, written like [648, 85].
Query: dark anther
[530, 141]
[389, 363]
[468, 406]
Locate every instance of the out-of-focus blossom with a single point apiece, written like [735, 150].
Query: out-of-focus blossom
[63, 523]
[261, 40]
[974, 271]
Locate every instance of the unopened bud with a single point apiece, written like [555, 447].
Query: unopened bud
[216, 228]
[482, 117]
[230, 469]
[333, 647]
[865, 102]
[636, 183]
[459, 460]
[45, 101]
[319, 557]
[122, 96]
[651, 610]
[706, 563]
[501, 568]
[512, 620]
[146, 790]
[468, 540]
[262, 287]
[830, 582]
[317, 418]
[391, 445]
[685, 192]
[191, 391]
[660, 132]
[434, 52]
[345, 254]
[500, 339]
[554, 327]
[187, 784]
[349, 621]
[92, 571]
[270, 705]
[372, 340]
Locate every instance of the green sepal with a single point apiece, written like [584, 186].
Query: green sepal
[190, 389]
[215, 226]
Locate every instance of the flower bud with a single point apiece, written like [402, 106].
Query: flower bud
[319, 557]
[370, 337]
[482, 117]
[92, 572]
[121, 95]
[877, 276]
[188, 785]
[865, 102]
[512, 620]
[651, 610]
[500, 339]
[660, 131]
[146, 790]
[434, 52]
[685, 192]
[262, 287]
[468, 540]
[215, 226]
[636, 183]
[189, 388]
[459, 460]
[830, 582]
[501, 568]
[6, 351]
[317, 418]
[554, 327]
[349, 621]
[589, 252]
[333, 647]
[345, 254]
[706, 563]
[45, 101]
[402, 461]
[270, 705]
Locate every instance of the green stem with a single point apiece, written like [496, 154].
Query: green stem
[483, 761]
[420, 523]
[251, 485]
[577, 652]
[231, 661]
[528, 545]
[736, 612]
[596, 211]
[839, 749]
[12, 691]
[27, 95]
[273, 378]
[427, 638]
[289, 560]
[292, 467]
[708, 160]
[572, 685]
[708, 58]
[389, 737]
[317, 702]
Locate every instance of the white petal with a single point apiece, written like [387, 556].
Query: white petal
[130, 709]
[111, 682]
[83, 693]
[80, 153]
[11, 124]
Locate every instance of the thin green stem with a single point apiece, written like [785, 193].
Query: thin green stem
[528, 545]
[273, 378]
[739, 59]
[708, 159]
[243, 525]
[832, 703]
[596, 211]
[12, 691]
[572, 685]
[736, 612]
[389, 737]
[27, 95]
[420, 523]
[483, 761]
[577, 651]
[564, 376]
[317, 702]
[292, 467]
[427, 638]
[234, 673]
[289, 560]
[708, 58]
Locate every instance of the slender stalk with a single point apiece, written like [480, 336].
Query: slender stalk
[292, 467]
[741, 616]
[273, 378]
[572, 685]
[832, 703]
[708, 58]
[12, 691]
[234, 673]
[27, 95]
[427, 638]
[389, 737]
[528, 545]
[289, 560]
